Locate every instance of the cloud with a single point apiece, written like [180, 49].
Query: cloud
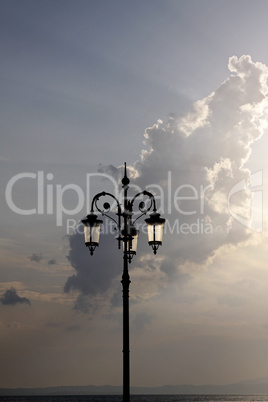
[73, 328]
[204, 155]
[191, 164]
[232, 300]
[36, 257]
[141, 320]
[52, 261]
[94, 275]
[11, 298]
[110, 170]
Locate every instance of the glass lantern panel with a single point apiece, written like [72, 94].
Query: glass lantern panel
[134, 245]
[150, 230]
[159, 232]
[92, 234]
[155, 232]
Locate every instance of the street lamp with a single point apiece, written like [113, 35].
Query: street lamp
[128, 235]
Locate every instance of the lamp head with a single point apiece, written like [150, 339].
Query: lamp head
[130, 240]
[155, 229]
[92, 227]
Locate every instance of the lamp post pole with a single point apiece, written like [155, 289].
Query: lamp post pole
[125, 287]
[126, 365]
[128, 235]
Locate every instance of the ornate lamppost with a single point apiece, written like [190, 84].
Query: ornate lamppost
[128, 235]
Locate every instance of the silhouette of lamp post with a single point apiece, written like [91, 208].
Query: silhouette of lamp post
[128, 235]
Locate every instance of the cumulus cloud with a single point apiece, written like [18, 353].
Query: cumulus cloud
[205, 154]
[191, 164]
[110, 170]
[11, 298]
[94, 274]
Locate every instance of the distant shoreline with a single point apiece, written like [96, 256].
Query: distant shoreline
[254, 387]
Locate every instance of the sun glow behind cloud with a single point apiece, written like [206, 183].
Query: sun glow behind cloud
[203, 152]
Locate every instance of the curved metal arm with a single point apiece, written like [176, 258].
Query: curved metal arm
[102, 211]
[143, 212]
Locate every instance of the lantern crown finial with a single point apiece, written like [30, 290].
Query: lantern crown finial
[125, 180]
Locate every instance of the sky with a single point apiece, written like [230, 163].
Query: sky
[177, 90]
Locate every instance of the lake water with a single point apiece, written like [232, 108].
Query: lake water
[139, 398]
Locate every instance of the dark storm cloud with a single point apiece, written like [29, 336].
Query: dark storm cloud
[94, 274]
[11, 298]
[84, 303]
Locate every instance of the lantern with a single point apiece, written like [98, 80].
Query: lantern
[131, 242]
[92, 227]
[155, 229]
